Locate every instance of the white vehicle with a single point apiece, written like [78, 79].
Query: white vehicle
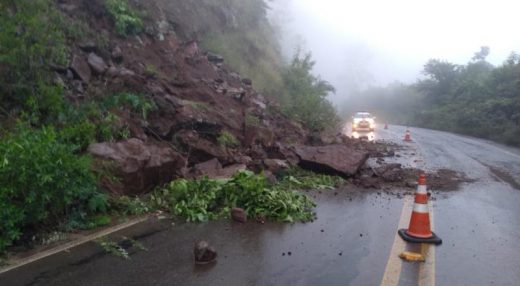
[363, 121]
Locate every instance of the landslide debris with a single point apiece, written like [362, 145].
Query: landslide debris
[393, 176]
[206, 120]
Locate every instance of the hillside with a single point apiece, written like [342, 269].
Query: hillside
[105, 99]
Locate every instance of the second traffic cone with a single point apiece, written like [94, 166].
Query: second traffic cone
[419, 230]
[407, 136]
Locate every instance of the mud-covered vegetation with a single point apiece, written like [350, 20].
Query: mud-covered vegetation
[476, 99]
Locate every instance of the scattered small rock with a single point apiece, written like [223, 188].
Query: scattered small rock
[214, 58]
[204, 253]
[239, 215]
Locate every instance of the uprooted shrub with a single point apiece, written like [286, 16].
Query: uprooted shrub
[208, 199]
[42, 182]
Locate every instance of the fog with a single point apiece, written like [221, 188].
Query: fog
[363, 43]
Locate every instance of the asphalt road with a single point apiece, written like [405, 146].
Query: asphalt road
[353, 242]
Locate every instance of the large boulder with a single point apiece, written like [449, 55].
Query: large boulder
[141, 166]
[335, 159]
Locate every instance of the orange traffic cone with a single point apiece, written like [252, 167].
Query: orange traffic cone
[419, 230]
[407, 136]
[386, 126]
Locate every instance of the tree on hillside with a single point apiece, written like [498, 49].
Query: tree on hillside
[441, 76]
[31, 40]
[305, 95]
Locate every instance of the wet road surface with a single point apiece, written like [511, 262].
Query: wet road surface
[480, 224]
[349, 244]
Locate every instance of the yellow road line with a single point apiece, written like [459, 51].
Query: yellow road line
[394, 264]
[427, 269]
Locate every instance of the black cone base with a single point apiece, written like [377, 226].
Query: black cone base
[434, 239]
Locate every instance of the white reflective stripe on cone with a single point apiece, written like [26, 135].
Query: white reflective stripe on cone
[421, 189]
[420, 208]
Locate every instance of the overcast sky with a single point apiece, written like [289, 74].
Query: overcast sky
[362, 42]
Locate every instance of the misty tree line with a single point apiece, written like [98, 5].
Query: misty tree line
[476, 99]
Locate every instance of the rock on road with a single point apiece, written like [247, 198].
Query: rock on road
[349, 244]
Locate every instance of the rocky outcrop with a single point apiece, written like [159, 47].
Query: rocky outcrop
[141, 166]
[335, 159]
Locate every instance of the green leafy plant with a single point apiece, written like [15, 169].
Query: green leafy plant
[113, 248]
[138, 103]
[130, 206]
[43, 181]
[32, 41]
[151, 70]
[79, 135]
[124, 133]
[207, 199]
[135, 243]
[227, 140]
[305, 96]
[252, 120]
[117, 249]
[127, 20]
[297, 178]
